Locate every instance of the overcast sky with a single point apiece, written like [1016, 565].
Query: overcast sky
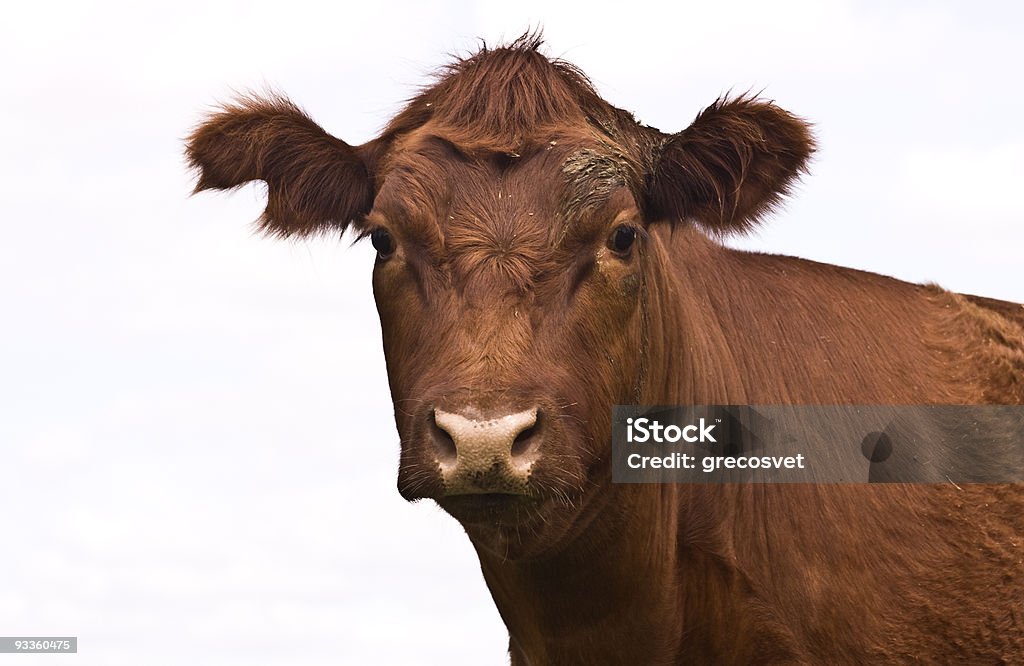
[198, 454]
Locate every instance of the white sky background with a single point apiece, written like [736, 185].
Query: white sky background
[198, 454]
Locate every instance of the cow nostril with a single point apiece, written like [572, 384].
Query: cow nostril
[444, 445]
[526, 441]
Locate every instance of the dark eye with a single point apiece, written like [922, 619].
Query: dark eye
[622, 239]
[382, 242]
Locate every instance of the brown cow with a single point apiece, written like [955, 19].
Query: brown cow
[541, 257]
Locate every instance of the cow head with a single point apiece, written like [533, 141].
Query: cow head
[512, 212]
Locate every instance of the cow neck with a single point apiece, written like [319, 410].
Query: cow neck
[571, 606]
[689, 359]
[691, 311]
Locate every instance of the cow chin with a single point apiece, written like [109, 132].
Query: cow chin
[507, 521]
[509, 524]
[510, 527]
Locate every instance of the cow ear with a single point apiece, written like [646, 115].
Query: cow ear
[315, 181]
[730, 167]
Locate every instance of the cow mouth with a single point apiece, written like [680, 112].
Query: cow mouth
[495, 509]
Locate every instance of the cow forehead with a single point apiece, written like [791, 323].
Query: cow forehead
[552, 186]
[508, 221]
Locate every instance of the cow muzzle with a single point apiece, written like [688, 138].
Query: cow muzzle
[486, 455]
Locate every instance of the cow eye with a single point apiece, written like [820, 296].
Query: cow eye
[382, 242]
[622, 239]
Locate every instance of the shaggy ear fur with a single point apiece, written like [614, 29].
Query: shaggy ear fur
[730, 167]
[314, 181]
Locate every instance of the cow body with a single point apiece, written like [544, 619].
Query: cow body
[541, 257]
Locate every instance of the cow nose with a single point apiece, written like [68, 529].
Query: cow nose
[486, 455]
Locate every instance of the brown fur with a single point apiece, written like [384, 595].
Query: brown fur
[501, 185]
[314, 181]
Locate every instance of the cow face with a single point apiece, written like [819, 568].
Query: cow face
[511, 210]
[509, 297]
